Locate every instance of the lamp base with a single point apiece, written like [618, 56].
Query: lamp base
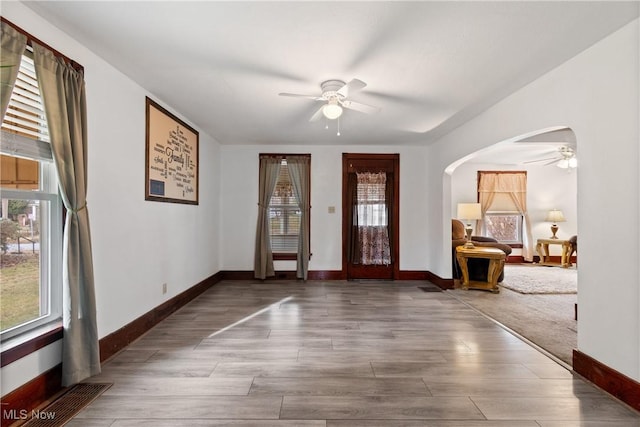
[554, 230]
[469, 244]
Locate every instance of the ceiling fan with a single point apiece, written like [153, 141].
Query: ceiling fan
[334, 98]
[565, 158]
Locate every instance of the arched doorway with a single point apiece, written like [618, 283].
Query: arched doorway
[531, 314]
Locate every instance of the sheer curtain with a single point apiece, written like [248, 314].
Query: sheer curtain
[515, 185]
[12, 45]
[263, 260]
[372, 219]
[299, 172]
[63, 93]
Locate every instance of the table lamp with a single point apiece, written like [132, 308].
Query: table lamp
[553, 217]
[469, 212]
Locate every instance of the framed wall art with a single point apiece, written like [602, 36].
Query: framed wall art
[171, 173]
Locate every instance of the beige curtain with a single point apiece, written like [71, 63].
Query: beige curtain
[63, 93]
[486, 199]
[263, 260]
[515, 185]
[12, 45]
[299, 173]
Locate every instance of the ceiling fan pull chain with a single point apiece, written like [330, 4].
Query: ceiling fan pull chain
[338, 127]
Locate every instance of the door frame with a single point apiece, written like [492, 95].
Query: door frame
[347, 165]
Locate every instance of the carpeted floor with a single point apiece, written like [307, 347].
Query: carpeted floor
[548, 320]
[536, 279]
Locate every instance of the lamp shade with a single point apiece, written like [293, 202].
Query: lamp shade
[554, 216]
[469, 211]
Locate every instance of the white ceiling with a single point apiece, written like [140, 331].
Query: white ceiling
[429, 66]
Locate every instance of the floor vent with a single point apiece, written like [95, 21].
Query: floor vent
[60, 411]
[430, 288]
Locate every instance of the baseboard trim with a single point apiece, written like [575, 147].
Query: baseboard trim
[442, 283]
[118, 340]
[413, 275]
[519, 259]
[326, 275]
[17, 405]
[608, 379]
[338, 275]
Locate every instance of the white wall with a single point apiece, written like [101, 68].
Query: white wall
[548, 187]
[137, 245]
[240, 196]
[596, 95]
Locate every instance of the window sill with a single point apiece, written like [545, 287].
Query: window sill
[286, 257]
[29, 342]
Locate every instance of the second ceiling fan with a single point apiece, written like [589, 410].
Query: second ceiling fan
[334, 97]
[564, 159]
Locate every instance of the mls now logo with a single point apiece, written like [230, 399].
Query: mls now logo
[15, 414]
[23, 414]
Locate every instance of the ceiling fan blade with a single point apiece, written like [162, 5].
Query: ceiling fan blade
[295, 95]
[317, 115]
[554, 159]
[352, 86]
[363, 108]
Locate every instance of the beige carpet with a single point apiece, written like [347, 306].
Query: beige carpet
[548, 320]
[537, 279]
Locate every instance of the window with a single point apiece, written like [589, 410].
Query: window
[284, 214]
[502, 195]
[505, 227]
[372, 203]
[31, 213]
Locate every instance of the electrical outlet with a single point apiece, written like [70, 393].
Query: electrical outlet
[164, 288]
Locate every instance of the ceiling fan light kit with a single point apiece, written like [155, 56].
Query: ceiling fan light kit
[332, 110]
[568, 163]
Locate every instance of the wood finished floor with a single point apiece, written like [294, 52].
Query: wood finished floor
[332, 354]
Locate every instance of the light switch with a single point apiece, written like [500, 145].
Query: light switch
[332, 209]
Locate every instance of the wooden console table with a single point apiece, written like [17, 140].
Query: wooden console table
[496, 259]
[542, 247]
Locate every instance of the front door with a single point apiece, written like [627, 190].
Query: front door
[370, 195]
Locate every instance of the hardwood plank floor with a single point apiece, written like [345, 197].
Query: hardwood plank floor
[331, 354]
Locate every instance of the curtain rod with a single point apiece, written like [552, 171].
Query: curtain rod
[31, 39]
[283, 156]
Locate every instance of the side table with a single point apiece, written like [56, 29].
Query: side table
[542, 247]
[496, 259]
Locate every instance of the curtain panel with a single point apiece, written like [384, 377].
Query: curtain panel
[371, 245]
[263, 259]
[12, 46]
[299, 173]
[374, 243]
[354, 254]
[63, 93]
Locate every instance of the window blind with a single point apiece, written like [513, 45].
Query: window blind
[25, 115]
[284, 214]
